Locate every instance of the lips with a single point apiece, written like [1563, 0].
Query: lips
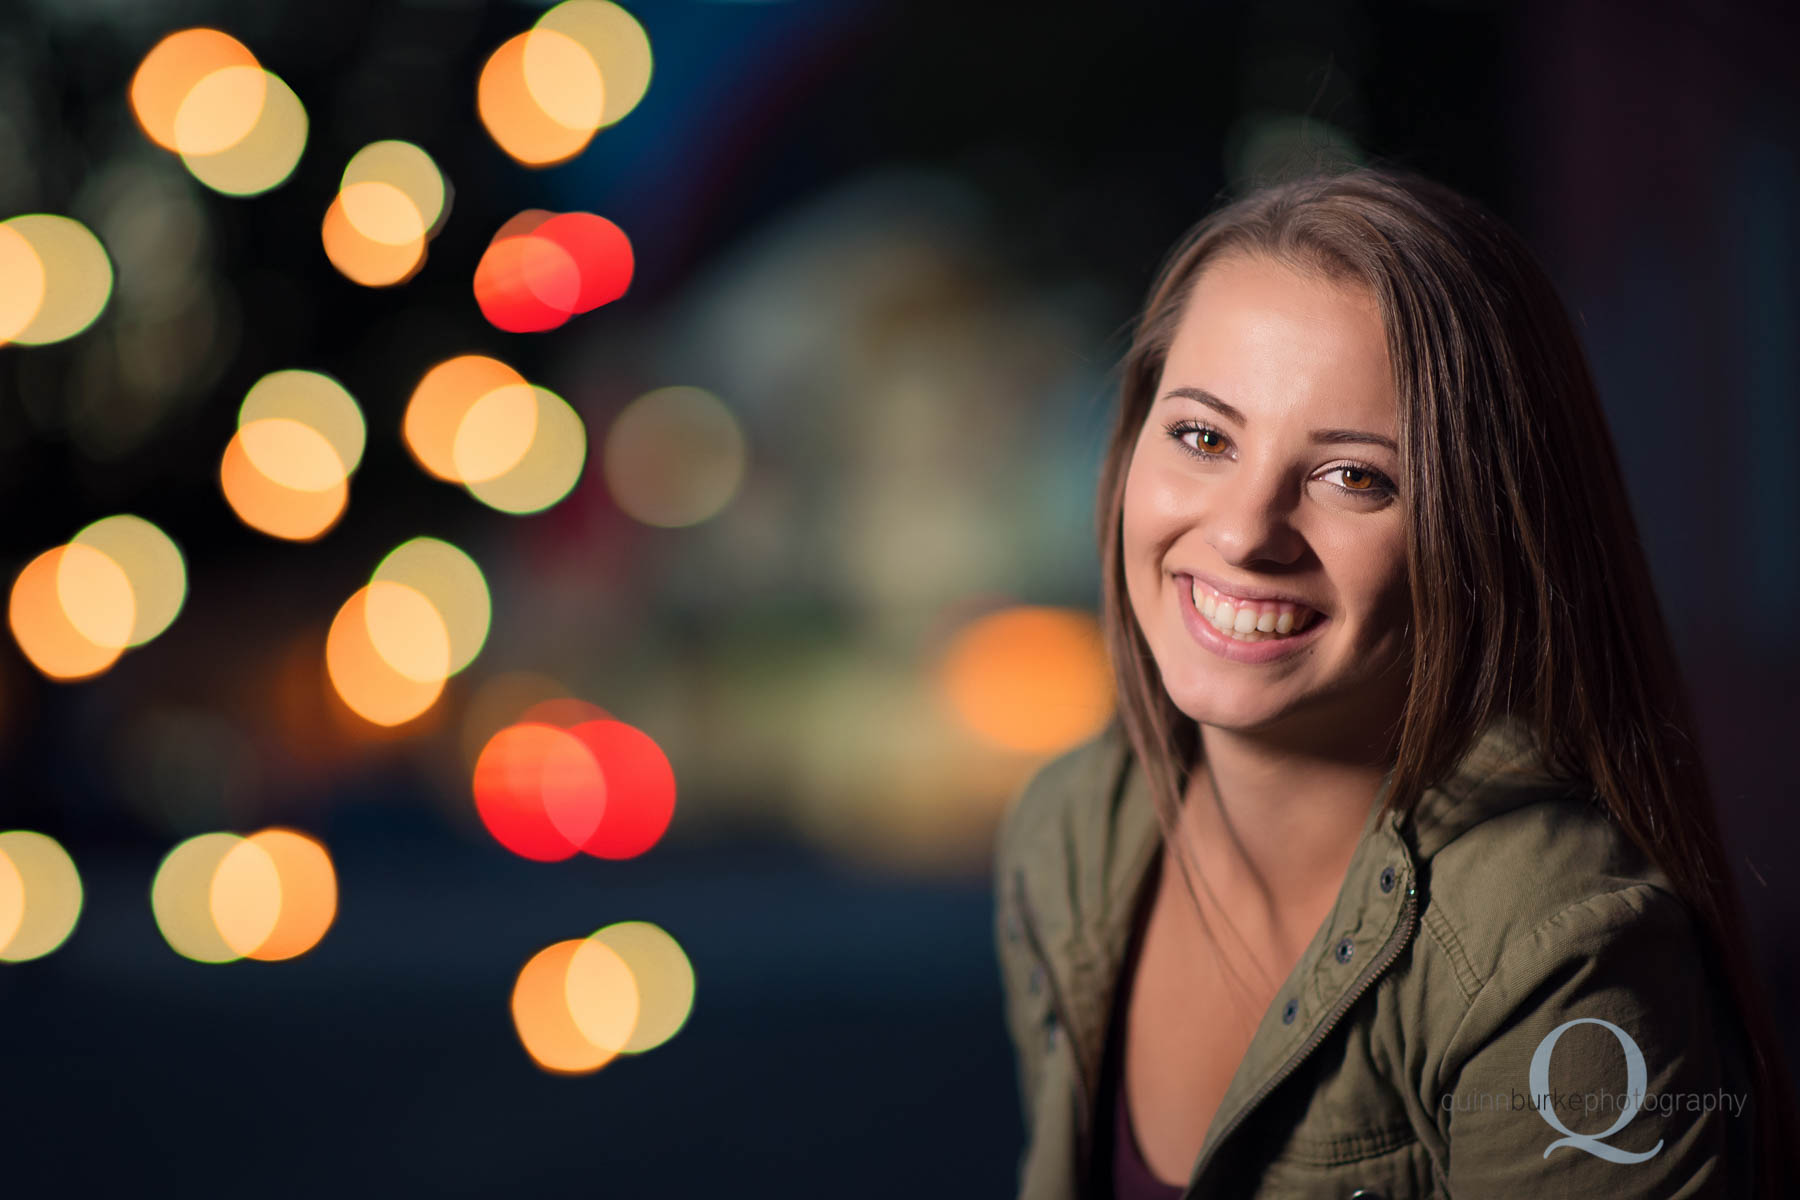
[1245, 630]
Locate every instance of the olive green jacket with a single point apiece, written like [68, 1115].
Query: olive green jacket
[1422, 1046]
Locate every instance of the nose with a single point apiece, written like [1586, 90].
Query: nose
[1248, 517]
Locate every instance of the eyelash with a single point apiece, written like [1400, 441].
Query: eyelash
[1383, 485]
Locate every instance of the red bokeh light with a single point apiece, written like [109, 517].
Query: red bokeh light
[540, 791]
[640, 789]
[541, 269]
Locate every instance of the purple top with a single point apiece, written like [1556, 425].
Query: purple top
[1131, 1177]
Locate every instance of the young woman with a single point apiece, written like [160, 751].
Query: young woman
[1397, 874]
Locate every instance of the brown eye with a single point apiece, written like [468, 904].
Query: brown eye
[1211, 440]
[1357, 479]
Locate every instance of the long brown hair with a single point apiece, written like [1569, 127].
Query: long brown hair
[1531, 595]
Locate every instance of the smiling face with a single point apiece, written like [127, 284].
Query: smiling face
[1265, 472]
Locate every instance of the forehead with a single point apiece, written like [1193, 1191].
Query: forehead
[1269, 339]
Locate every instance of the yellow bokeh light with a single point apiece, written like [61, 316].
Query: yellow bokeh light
[293, 454]
[1030, 679]
[663, 976]
[308, 893]
[453, 584]
[170, 72]
[49, 895]
[674, 457]
[43, 629]
[496, 433]
[273, 508]
[360, 258]
[364, 679]
[617, 44]
[549, 470]
[96, 596]
[266, 156]
[244, 897]
[220, 110]
[12, 900]
[514, 119]
[151, 562]
[383, 213]
[317, 401]
[408, 632]
[602, 995]
[563, 79]
[442, 401]
[400, 165]
[78, 277]
[181, 898]
[540, 1012]
[21, 283]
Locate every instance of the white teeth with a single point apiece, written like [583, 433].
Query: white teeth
[1246, 622]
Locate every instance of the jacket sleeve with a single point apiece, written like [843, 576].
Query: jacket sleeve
[1012, 953]
[1590, 1063]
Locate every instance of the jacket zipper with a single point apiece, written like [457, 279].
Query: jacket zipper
[1062, 1017]
[1390, 951]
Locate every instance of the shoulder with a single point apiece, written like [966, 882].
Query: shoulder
[1547, 870]
[1042, 814]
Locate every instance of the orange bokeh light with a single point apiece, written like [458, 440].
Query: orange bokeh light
[274, 508]
[366, 682]
[513, 117]
[43, 628]
[171, 72]
[443, 400]
[1030, 679]
[541, 1013]
[361, 258]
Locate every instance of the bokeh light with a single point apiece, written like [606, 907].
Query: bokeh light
[364, 259]
[181, 898]
[76, 279]
[152, 565]
[539, 791]
[172, 70]
[454, 585]
[617, 43]
[387, 653]
[284, 478]
[266, 156]
[220, 110]
[43, 627]
[602, 995]
[674, 457]
[1030, 679]
[442, 402]
[270, 896]
[406, 168]
[540, 269]
[317, 401]
[549, 469]
[664, 979]
[541, 1014]
[511, 113]
[495, 434]
[40, 895]
[640, 789]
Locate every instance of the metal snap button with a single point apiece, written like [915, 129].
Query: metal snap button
[1345, 949]
[1387, 879]
[1365, 1194]
[1288, 1011]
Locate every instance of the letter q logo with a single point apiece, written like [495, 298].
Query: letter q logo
[1635, 1078]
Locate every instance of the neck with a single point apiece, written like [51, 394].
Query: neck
[1276, 840]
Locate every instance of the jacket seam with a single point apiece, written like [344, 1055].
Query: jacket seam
[1500, 966]
[1444, 934]
[1343, 1149]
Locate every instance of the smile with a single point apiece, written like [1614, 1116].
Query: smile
[1252, 620]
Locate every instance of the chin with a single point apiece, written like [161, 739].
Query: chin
[1238, 705]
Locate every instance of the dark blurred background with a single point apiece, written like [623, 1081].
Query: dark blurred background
[902, 243]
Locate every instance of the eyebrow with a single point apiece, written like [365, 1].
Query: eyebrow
[1320, 436]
